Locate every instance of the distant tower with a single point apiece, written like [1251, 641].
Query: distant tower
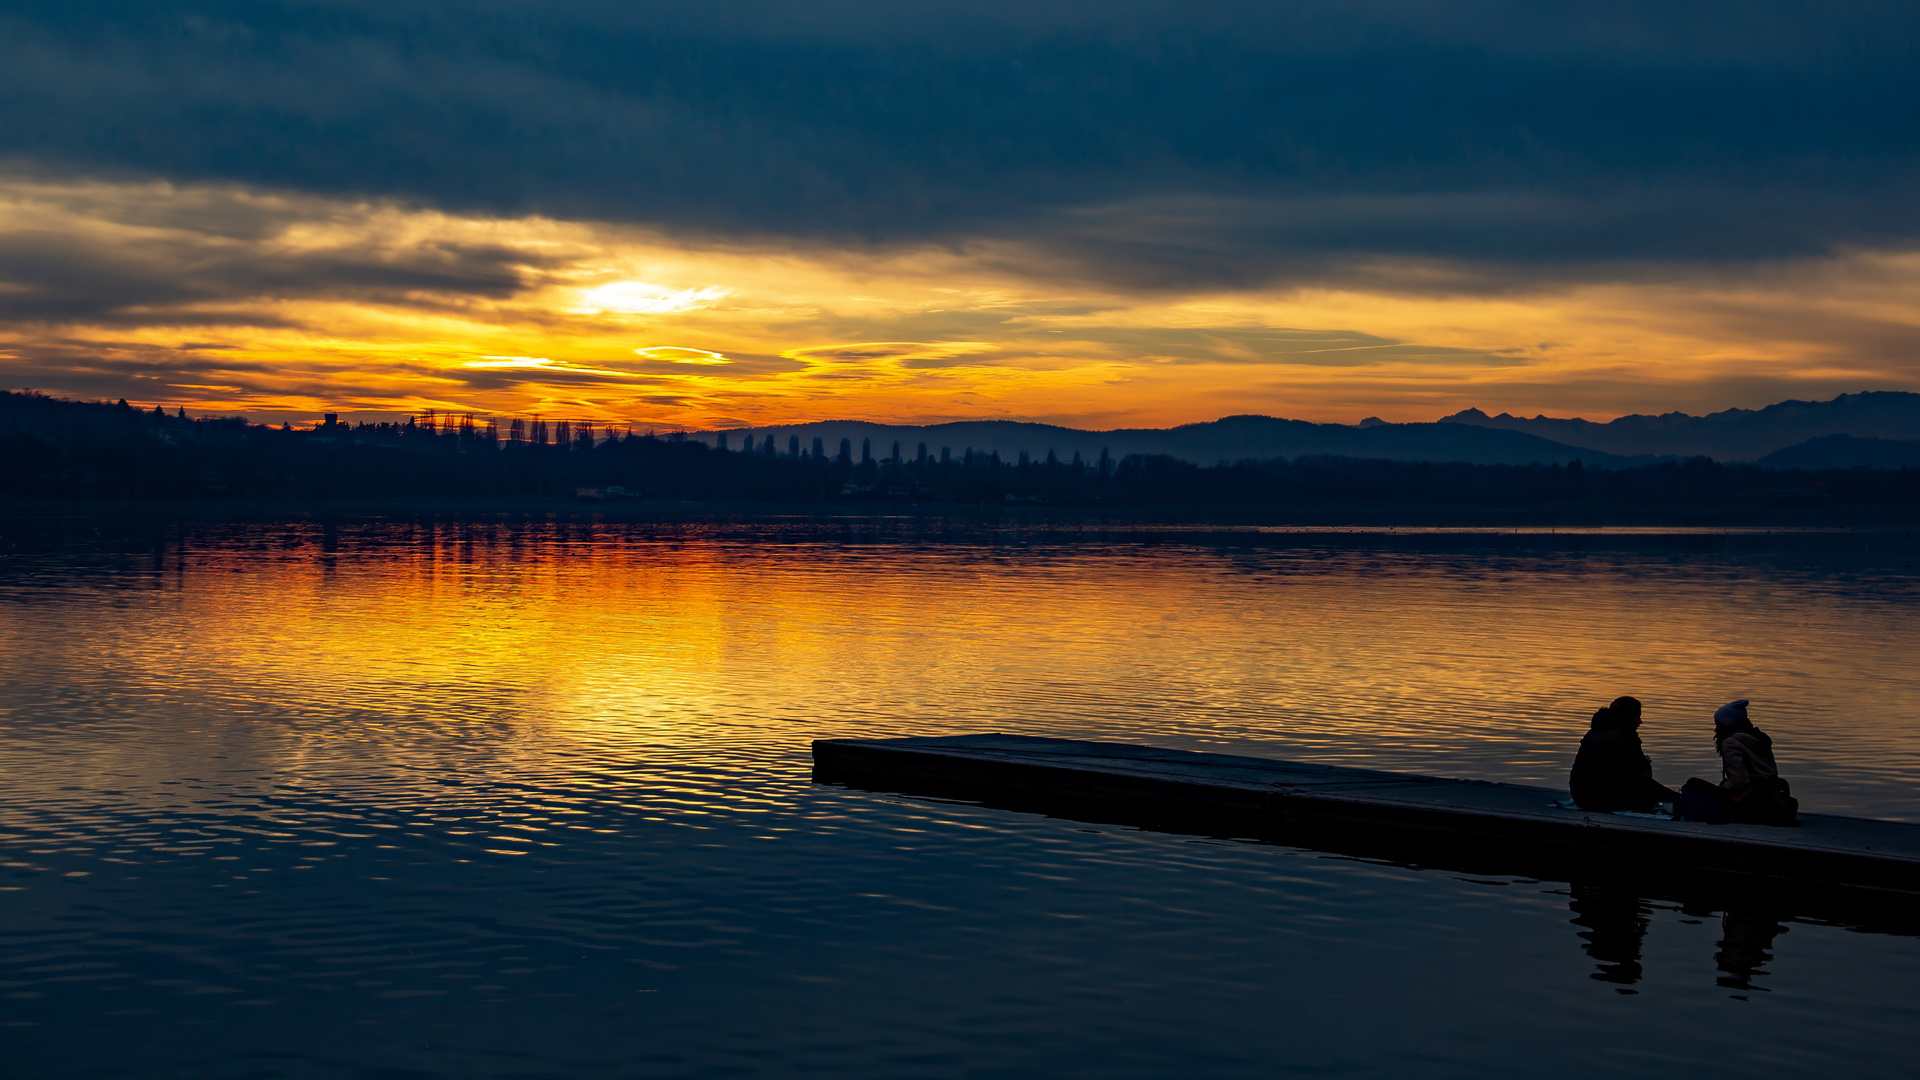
[866, 451]
[819, 448]
[720, 441]
[793, 446]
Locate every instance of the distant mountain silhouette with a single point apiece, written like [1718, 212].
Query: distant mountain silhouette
[1846, 452]
[1470, 436]
[1730, 435]
[1234, 438]
[51, 448]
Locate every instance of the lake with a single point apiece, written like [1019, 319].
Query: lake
[530, 796]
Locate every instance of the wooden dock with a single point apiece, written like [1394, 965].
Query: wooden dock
[1397, 814]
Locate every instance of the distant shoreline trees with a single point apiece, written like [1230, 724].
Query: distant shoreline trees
[50, 447]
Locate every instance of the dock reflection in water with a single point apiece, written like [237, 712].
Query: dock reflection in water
[507, 798]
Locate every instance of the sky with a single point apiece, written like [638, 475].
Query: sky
[1095, 214]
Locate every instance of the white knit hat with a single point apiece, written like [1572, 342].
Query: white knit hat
[1730, 714]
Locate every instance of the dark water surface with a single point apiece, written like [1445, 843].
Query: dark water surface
[532, 799]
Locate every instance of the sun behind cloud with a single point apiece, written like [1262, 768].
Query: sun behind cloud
[370, 307]
[641, 298]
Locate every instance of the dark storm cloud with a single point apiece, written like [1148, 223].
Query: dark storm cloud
[1142, 144]
[150, 262]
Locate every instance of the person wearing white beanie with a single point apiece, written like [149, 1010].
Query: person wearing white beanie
[1751, 789]
[1731, 715]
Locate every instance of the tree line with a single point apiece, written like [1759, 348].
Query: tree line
[51, 447]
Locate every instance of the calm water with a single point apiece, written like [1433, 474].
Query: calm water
[532, 800]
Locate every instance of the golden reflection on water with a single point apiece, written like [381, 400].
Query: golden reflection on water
[528, 643]
[535, 797]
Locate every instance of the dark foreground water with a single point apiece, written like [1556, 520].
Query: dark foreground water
[532, 799]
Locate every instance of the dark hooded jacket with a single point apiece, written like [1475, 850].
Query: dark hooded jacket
[1612, 772]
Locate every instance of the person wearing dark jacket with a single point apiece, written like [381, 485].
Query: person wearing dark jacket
[1612, 772]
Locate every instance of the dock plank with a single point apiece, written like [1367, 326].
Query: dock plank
[1240, 795]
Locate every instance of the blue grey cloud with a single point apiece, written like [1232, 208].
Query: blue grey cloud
[1144, 144]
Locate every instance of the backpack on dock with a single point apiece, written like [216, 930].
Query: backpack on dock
[1768, 801]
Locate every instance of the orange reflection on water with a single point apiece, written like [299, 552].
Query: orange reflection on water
[539, 643]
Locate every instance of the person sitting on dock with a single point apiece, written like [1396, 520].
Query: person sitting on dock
[1612, 772]
[1751, 789]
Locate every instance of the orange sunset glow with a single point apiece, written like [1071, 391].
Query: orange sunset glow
[621, 324]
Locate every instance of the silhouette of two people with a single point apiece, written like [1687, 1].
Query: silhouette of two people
[1613, 773]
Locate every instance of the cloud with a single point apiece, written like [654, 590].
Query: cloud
[1279, 346]
[641, 298]
[675, 354]
[1145, 146]
[281, 304]
[149, 254]
[531, 363]
[902, 354]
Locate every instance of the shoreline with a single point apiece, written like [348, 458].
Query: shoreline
[1379, 517]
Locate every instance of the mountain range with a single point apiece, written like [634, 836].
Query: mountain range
[1729, 435]
[1880, 428]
